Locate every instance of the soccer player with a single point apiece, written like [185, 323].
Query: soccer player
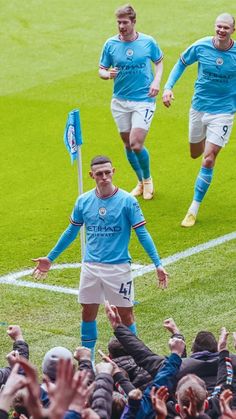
[127, 59]
[108, 214]
[213, 103]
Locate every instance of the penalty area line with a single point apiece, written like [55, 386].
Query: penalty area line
[137, 270]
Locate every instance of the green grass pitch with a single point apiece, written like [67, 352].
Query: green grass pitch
[50, 52]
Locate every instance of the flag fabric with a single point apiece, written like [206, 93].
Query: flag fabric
[73, 134]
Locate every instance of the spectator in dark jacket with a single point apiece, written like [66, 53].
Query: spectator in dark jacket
[20, 347]
[203, 363]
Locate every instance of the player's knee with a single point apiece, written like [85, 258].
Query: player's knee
[128, 318]
[136, 147]
[194, 155]
[209, 160]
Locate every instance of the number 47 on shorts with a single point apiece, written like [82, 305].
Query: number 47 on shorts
[125, 289]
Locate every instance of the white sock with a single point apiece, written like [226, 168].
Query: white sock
[194, 207]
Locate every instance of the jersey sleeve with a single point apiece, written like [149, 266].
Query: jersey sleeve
[76, 217]
[189, 56]
[156, 52]
[105, 58]
[135, 214]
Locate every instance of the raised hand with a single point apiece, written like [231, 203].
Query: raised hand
[222, 341]
[112, 315]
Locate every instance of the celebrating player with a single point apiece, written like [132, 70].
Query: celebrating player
[127, 58]
[213, 104]
[108, 214]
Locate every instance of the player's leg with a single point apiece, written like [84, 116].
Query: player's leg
[132, 159]
[197, 133]
[141, 121]
[218, 132]
[197, 149]
[90, 296]
[122, 116]
[119, 291]
[127, 318]
[89, 327]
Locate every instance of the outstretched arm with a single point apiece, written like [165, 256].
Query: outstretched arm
[174, 76]
[150, 248]
[44, 263]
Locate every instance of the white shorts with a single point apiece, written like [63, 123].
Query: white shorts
[129, 114]
[102, 281]
[215, 128]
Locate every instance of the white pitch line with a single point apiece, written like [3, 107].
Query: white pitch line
[188, 252]
[138, 270]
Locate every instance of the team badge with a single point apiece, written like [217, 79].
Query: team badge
[71, 138]
[129, 52]
[219, 61]
[102, 211]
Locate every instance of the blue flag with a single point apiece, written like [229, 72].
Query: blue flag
[72, 134]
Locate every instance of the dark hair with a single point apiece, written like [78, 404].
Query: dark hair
[115, 348]
[204, 341]
[100, 160]
[118, 405]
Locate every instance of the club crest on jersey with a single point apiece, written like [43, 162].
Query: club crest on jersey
[219, 61]
[102, 211]
[129, 53]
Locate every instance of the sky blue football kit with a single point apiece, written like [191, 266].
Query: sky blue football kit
[131, 106]
[214, 100]
[108, 222]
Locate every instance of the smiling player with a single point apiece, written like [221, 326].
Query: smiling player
[213, 104]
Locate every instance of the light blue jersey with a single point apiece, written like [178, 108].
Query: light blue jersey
[215, 87]
[108, 222]
[134, 62]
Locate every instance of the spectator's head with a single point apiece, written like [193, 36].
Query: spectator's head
[191, 388]
[204, 341]
[118, 405]
[51, 358]
[115, 348]
[18, 404]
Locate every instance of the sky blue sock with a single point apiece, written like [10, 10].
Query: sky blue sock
[202, 183]
[133, 329]
[144, 161]
[89, 335]
[132, 158]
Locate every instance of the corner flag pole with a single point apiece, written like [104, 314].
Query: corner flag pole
[80, 190]
[73, 142]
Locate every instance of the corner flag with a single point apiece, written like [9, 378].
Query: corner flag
[73, 142]
[72, 134]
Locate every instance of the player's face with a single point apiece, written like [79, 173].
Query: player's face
[125, 26]
[224, 30]
[102, 174]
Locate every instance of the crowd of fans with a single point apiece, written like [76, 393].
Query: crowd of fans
[131, 381]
